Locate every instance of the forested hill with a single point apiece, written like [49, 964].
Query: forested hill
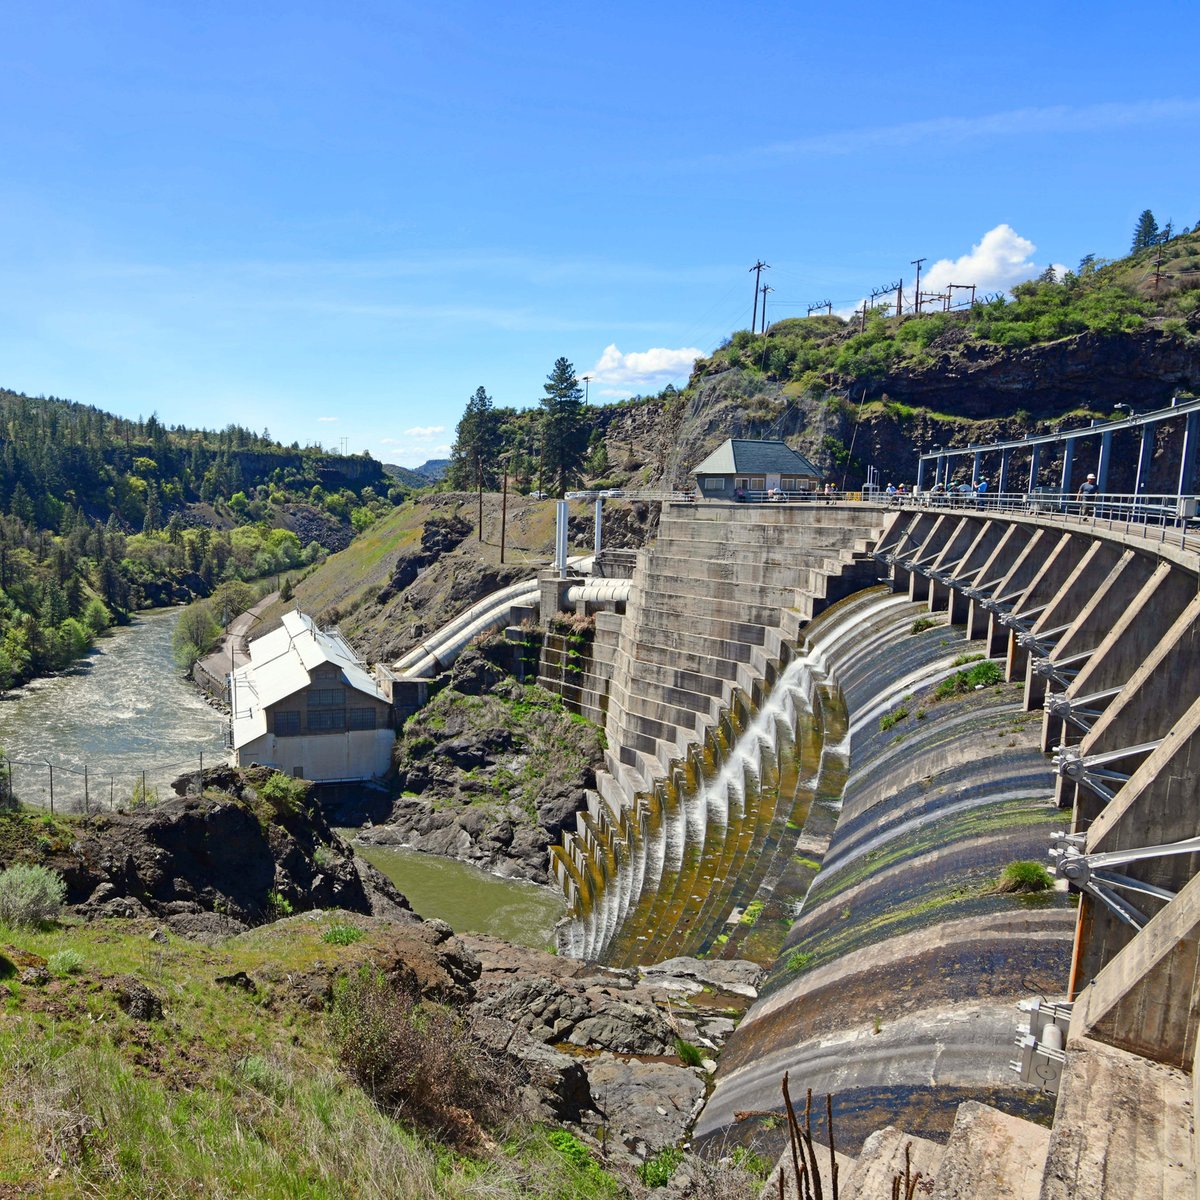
[100, 515]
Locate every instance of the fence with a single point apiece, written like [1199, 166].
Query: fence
[65, 789]
[1166, 519]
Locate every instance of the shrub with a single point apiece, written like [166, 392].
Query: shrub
[278, 905]
[30, 894]
[418, 1060]
[284, 793]
[65, 962]
[923, 623]
[981, 675]
[343, 935]
[657, 1171]
[1024, 876]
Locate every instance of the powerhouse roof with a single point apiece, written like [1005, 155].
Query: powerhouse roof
[740, 456]
[281, 664]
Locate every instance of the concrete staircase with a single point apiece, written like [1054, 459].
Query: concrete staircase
[712, 605]
[712, 616]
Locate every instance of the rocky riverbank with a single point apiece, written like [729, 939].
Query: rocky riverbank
[490, 772]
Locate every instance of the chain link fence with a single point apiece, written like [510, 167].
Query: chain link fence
[87, 789]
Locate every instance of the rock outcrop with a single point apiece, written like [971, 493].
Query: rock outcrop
[211, 866]
[490, 771]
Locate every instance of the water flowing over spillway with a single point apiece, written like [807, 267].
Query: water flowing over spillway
[845, 827]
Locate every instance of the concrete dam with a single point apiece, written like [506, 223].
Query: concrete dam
[830, 729]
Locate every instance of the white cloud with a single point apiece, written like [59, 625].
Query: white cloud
[617, 374]
[410, 454]
[328, 418]
[999, 259]
[424, 432]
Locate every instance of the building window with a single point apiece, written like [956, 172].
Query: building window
[330, 720]
[360, 718]
[714, 483]
[326, 697]
[287, 724]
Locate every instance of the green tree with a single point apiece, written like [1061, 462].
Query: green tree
[476, 451]
[564, 429]
[1146, 232]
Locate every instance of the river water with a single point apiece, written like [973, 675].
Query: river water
[468, 899]
[126, 709]
[123, 710]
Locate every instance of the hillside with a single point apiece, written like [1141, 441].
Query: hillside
[868, 391]
[423, 562]
[100, 515]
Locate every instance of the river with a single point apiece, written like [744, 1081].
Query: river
[123, 710]
[126, 708]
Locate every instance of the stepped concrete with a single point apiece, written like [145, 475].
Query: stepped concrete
[991, 1155]
[1122, 1129]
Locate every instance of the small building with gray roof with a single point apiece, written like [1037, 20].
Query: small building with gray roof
[739, 468]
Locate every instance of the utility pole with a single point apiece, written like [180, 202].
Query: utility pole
[916, 262]
[863, 327]
[758, 268]
[766, 287]
[1158, 262]
[479, 489]
[899, 296]
[587, 379]
[503, 510]
[827, 305]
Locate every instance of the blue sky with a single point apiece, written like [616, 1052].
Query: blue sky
[336, 220]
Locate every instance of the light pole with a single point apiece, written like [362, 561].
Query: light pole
[587, 379]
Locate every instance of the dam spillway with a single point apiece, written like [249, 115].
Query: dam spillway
[896, 963]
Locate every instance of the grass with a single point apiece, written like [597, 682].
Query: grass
[923, 623]
[892, 718]
[1023, 876]
[232, 1094]
[983, 674]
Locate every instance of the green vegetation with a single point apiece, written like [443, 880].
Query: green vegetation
[1025, 876]
[689, 1055]
[800, 960]
[923, 623]
[892, 718]
[30, 894]
[810, 356]
[234, 1094]
[657, 1170]
[343, 935]
[100, 516]
[984, 674]
[961, 660]
[65, 962]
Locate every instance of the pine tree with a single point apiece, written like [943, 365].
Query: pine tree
[564, 430]
[476, 450]
[1146, 233]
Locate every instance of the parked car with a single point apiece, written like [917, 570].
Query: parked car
[539, 495]
[612, 493]
[588, 495]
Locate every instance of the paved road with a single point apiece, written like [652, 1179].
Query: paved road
[232, 648]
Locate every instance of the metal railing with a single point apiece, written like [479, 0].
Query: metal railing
[1166, 519]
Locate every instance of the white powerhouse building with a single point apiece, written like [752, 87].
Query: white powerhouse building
[306, 706]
